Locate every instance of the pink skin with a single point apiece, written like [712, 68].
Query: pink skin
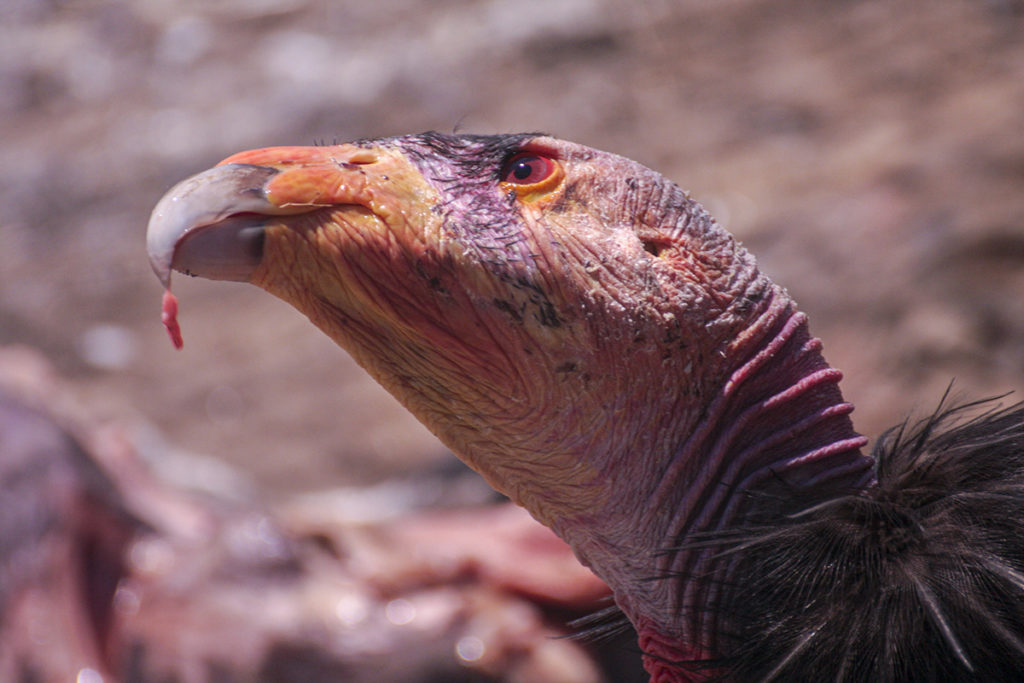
[594, 344]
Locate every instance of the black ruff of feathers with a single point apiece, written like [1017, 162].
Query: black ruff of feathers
[919, 579]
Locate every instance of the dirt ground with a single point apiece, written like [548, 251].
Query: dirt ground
[871, 153]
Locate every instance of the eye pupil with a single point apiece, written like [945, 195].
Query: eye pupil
[522, 169]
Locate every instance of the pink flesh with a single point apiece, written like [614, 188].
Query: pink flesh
[169, 316]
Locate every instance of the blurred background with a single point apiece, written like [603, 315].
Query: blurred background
[870, 152]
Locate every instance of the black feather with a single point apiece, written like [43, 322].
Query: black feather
[921, 578]
[607, 623]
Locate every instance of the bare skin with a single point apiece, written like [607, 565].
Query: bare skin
[570, 323]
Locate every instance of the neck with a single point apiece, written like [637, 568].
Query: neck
[775, 435]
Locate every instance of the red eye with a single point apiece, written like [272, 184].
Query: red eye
[526, 168]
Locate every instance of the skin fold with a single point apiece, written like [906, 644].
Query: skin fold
[587, 338]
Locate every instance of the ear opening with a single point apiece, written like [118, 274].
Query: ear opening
[656, 247]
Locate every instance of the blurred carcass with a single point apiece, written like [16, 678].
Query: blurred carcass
[108, 573]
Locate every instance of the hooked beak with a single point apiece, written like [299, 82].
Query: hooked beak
[200, 226]
[212, 224]
[240, 220]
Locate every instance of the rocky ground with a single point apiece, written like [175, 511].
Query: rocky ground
[871, 153]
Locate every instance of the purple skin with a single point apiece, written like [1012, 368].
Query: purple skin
[591, 341]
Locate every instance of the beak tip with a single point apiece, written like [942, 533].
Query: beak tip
[202, 200]
[161, 239]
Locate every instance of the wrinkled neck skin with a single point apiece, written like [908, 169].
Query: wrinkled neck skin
[512, 351]
[706, 452]
[778, 426]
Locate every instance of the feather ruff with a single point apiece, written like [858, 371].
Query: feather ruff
[920, 578]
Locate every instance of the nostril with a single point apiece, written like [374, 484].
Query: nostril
[358, 158]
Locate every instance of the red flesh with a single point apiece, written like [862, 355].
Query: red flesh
[169, 317]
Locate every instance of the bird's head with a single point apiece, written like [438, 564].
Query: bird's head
[496, 285]
[569, 322]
